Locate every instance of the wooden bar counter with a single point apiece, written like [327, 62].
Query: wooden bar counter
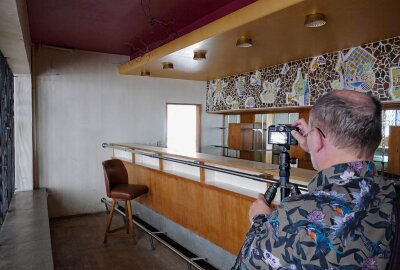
[211, 204]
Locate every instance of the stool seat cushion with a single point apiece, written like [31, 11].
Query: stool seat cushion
[128, 191]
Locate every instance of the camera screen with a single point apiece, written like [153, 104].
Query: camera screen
[278, 138]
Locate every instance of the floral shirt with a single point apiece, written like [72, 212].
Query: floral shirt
[346, 221]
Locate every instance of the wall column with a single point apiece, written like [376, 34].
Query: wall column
[23, 132]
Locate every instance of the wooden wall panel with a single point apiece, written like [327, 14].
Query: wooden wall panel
[394, 151]
[218, 215]
[246, 121]
[234, 136]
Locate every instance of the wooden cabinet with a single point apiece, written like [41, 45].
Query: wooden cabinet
[245, 137]
[394, 150]
[250, 138]
[234, 136]
[297, 152]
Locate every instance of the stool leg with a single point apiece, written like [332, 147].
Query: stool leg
[131, 228]
[110, 216]
[126, 217]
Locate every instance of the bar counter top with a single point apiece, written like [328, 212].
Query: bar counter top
[260, 167]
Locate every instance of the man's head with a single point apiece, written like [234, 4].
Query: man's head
[348, 121]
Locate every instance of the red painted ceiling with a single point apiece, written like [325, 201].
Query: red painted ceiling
[127, 27]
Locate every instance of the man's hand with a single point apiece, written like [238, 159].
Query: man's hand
[304, 128]
[259, 207]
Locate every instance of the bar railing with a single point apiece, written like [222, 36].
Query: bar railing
[259, 178]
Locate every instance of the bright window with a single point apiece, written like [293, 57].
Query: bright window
[183, 123]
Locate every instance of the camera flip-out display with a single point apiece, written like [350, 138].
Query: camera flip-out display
[280, 134]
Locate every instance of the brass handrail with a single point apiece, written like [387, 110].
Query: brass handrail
[259, 178]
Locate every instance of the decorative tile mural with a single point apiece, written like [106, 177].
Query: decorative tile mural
[372, 68]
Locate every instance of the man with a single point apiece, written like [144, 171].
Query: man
[346, 219]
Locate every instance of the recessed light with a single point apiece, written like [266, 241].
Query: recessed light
[167, 65]
[244, 42]
[145, 73]
[199, 55]
[315, 20]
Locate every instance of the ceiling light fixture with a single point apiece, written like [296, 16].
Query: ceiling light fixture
[167, 65]
[145, 73]
[199, 55]
[244, 42]
[315, 20]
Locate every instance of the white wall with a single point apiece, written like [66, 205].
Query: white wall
[23, 132]
[82, 102]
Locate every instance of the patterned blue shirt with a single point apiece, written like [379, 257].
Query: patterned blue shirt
[346, 221]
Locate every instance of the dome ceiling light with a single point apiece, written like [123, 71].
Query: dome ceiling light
[315, 20]
[199, 55]
[244, 42]
[167, 65]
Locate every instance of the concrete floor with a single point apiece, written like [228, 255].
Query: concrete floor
[77, 243]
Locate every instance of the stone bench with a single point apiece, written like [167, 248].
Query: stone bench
[25, 241]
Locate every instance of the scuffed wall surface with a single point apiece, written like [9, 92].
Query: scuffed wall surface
[82, 102]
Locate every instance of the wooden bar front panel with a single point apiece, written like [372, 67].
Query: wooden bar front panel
[218, 215]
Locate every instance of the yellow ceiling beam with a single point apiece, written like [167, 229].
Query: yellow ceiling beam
[252, 12]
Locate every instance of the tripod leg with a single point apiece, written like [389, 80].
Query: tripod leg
[269, 195]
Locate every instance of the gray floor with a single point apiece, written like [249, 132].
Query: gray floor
[77, 244]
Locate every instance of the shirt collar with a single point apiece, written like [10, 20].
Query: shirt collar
[342, 172]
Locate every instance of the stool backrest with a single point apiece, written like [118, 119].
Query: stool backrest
[114, 173]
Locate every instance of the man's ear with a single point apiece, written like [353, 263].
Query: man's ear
[319, 142]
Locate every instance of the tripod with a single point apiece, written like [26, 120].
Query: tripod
[286, 187]
[284, 173]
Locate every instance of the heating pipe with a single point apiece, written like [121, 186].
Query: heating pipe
[153, 235]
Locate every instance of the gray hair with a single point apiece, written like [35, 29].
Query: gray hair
[351, 119]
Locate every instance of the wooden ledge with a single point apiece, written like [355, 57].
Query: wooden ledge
[250, 13]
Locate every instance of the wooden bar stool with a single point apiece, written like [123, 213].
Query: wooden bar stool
[118, 189]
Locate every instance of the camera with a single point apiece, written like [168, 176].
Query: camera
[280, 134]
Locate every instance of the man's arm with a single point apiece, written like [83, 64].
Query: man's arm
[259, 207]
[271, 241]
[295, 235]
[261, 249]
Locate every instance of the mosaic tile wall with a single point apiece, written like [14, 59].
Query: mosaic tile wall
[7, 180]
[372, 68]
